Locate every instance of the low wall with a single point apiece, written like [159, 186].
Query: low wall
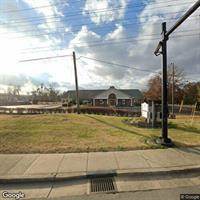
[31, 111]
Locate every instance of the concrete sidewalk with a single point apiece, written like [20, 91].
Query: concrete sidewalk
[51, 167]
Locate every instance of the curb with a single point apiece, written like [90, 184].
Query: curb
[96, 174]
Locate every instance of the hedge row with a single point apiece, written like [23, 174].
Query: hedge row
[104, 111]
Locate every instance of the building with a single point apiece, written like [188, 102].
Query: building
[8, 99]
[109, 97]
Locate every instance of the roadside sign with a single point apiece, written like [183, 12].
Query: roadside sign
[144, 110]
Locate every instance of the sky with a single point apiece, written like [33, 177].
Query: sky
[101, 32]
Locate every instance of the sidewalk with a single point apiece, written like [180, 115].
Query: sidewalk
[47, 167]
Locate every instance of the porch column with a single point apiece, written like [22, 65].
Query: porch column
[131, 101]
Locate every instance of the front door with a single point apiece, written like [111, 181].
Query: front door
[112, 100]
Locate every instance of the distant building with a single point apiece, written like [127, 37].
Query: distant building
[7, 99]
[109, 97]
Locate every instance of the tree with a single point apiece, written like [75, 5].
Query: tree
[192, 93]
[54, 94]
[45, 94]
[155, 86]
[14, 90]
[154, 91]
[179, 82]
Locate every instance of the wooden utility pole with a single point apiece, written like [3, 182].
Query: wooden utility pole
[173, 83]
[76, 83]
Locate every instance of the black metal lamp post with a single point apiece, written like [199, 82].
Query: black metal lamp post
[164, 140]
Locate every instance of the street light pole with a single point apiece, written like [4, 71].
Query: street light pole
[164, 140]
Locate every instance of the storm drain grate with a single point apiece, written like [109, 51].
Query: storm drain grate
[102, 185]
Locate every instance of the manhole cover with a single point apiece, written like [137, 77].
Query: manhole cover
[98, 185]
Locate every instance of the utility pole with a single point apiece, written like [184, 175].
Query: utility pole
[165, 113]
[173, 74]
[76, 83]
[164, 140]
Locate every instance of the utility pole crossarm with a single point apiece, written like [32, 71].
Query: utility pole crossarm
[176, 25]
[183, 18]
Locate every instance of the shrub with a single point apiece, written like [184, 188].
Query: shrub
[104, 111]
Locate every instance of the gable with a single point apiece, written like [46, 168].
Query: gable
[119, 94]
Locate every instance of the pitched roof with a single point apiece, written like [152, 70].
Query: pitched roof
[83, 94]
[133, 93]
[89, 94]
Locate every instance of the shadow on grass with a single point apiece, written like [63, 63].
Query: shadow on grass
[187, 128]
[118, 127]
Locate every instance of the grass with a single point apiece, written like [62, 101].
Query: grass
[59, 133]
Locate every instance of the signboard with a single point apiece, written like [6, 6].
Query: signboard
[144, 110]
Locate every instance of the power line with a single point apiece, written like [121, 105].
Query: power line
[80, 25]
[116, 64]
[133, 37]
[32, 8]
[120, 42]
[93, 45]
[55, 32]
[107, 62]
[80, 13]
[45, 58]
[118, 20]
[113, 21]
[96, 27]
[99, 45]
[58, 32]
[80, 10]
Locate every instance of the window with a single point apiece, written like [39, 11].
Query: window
[123, 101]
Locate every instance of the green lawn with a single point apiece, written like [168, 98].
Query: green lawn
[82, 133]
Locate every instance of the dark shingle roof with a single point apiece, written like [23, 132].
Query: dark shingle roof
[133, 93]
[89, 94]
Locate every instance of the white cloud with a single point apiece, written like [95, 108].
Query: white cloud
[93, 74]
[28, 87]
[105, 11]
[16, 43]
[48, 8]
[139, 52]
[177, 47]
[103, 73]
